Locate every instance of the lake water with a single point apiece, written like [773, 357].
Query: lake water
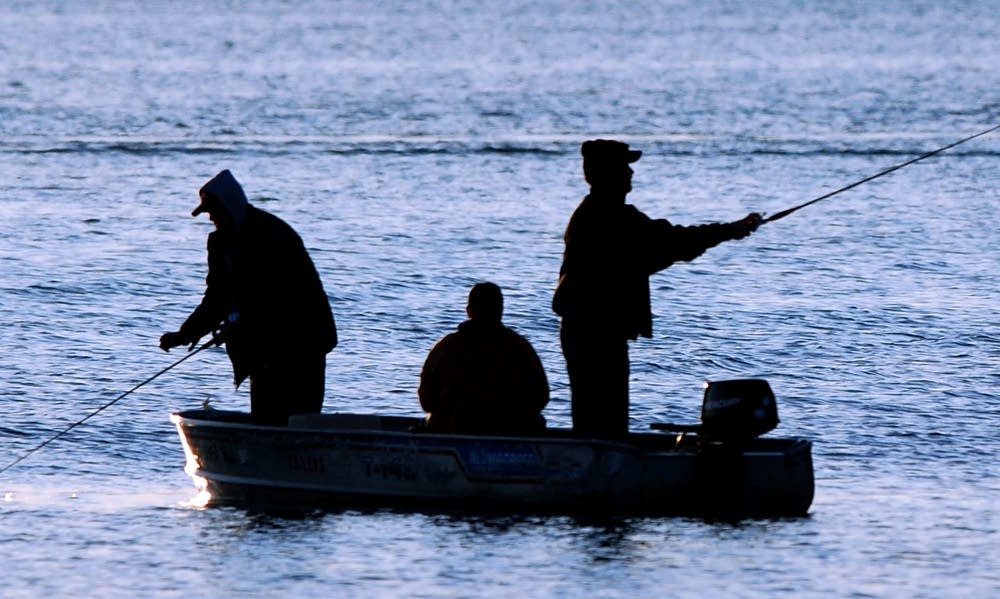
[419, 147]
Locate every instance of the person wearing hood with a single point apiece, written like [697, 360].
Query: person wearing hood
[484, 378]
[603, 297]
[265, 301]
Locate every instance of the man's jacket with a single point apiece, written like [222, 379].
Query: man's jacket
[611, 250]
[264, 291]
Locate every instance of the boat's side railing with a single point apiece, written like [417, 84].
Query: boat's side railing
[344, 421]
[404, 424]
[351, 421]
[337, 420]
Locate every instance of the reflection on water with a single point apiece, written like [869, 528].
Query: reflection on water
[420, 149]
[202, 498]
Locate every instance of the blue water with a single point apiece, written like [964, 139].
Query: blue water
[423, 147]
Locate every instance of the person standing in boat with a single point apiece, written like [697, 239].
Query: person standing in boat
[265, 300]
[484, 378]
[603, 297]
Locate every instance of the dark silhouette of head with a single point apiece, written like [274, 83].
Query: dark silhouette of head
[606, 165]
[485, 302]
[224, 201]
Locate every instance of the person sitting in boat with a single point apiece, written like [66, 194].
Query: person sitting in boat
[265, 300]
[484, 378]
[611, 250]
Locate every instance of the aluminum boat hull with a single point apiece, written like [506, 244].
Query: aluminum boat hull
[372, 460]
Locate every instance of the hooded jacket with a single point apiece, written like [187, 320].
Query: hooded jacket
[263, 286]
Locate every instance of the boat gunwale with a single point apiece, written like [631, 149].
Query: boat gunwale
[636, 441]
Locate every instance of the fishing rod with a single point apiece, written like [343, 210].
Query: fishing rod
[785, 213]
[210, 343]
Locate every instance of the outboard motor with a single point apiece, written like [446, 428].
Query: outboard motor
[737, 410]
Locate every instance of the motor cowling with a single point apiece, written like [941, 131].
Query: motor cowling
[737, 410]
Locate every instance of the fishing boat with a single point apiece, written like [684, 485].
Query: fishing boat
[721, 466]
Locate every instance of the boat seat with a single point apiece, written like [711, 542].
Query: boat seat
[335, 421]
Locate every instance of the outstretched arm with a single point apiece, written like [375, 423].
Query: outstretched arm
[678, 243]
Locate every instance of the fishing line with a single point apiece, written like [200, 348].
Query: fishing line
[208, 344]
[785, 213]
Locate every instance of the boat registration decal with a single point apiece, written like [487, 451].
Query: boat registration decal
[388, 464]
[310, 463]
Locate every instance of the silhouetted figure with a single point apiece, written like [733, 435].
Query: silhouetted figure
[484, 378]
[264, 299]
[603, 295]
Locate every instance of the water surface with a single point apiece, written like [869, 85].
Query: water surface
[424, 147]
